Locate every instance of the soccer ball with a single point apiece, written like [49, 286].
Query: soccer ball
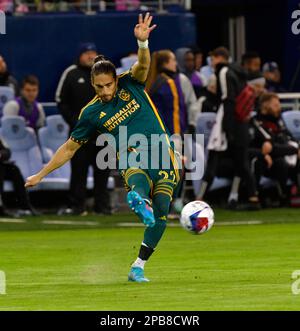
[197, 217]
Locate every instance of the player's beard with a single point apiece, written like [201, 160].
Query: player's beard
[107, 98]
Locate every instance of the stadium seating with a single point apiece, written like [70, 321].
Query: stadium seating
[291, 119]
[22, 143]
[126, 63]
[53, 135]
[6, 94]
[30, 153]
[26, 153]
[205, 123]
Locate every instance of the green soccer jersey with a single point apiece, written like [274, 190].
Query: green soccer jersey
[132, 108]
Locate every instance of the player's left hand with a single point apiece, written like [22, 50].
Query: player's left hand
[142, 30]
[32, 181]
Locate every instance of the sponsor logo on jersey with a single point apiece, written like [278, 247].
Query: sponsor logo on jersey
[124, 95]
[122, 115]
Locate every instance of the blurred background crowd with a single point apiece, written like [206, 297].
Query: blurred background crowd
[231, 94]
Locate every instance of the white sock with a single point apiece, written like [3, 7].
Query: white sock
[234, 193]
[139, 263]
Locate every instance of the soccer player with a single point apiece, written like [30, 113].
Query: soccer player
[121, 101]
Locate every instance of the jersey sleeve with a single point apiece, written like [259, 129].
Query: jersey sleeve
[126, 78]
[84, 129]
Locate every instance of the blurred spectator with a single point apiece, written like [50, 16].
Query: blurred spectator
[273, 76]
[9, 171]
[74, 91]
[127, 4]
[208, 101]
[207, 71]
[198, 54]
[251, 62]
[46, 6]
[6, 79]
[186, 65]
[57, 5]
[257, 81]
[26, 105]
[21, 8]
[102, 5]
[230, 132]
[171, 92]
[279, 156]
[127, 62]
[7, 6]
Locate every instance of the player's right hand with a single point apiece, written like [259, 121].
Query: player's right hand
[143, 29]
[32, 180]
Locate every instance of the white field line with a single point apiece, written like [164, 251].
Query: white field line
[177, 225]
[239, 223]
[58, 222]
[12, 220]
[141, 225]
[123, 224]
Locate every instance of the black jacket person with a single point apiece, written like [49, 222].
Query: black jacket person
[74, 91]
[279, 151]
[10, 171]
[230, 132]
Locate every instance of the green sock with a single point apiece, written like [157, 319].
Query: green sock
[139, 183]
[153, 235]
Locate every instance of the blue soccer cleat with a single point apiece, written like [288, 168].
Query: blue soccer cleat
[137, 275]
[141, 208]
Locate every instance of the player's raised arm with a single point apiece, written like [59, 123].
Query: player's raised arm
[142, 31]
[62, 155]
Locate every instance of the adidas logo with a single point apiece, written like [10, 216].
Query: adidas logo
[102, 114]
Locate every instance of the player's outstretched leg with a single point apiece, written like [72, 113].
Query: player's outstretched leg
[138, 198]
[152, 236]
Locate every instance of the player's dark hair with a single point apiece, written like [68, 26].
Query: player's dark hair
[30, 79]
[103, 66]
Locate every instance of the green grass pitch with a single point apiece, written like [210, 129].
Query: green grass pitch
[70, 265]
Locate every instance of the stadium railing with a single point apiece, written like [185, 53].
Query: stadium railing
[289, 101]
[91, 6]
